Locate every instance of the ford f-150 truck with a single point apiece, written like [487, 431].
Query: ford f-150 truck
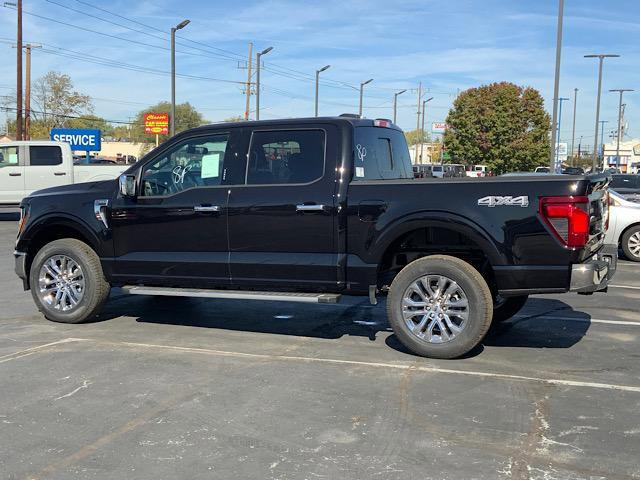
[308, 210]
[27, 166]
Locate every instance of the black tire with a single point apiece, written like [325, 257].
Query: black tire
[626, 238]
[96, 289]
[505, 308]
[479, 301]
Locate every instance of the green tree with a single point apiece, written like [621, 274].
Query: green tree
[501, 125]
[186, 117]
[234, 119]
[91, 121]
[416, 137]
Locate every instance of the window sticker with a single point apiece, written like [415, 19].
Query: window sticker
[13, 158]
[362, 152]
[210, 165]
[359, 171]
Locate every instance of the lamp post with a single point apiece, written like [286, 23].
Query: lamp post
[600, 57]
[361, 92]
[556, 84]
[573, 128]
[560, 100]
[180, 26]
[258, 55]
[395, 103]
[317, 84]
[422, 136]
[620, 91]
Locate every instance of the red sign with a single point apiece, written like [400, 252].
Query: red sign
[156, 123]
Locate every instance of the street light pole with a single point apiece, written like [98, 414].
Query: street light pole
[422, 136]
[600, 57]
[361, 93]
[556, 85]
[180, 26]
[560, 100]
[621, 91]
[395, 104]
[258, 55]
[317, 84]
[573, 129]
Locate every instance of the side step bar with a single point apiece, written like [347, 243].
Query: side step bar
[234, 294]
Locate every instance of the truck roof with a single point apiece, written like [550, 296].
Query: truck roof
[354, 120]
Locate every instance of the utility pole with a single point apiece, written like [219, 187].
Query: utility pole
[318, 83]
[556, 86]
[418, 119]
[573, 129]
[258, 55]
[620, 91]
[248, 103]
[422, 135]
[395, 104]
[600, 57]
[172, 120]
[602, 122]
[27, 94]
[19, 134]
[560, 100]
[361, 95]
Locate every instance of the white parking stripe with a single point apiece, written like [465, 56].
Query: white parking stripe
[579, 319]
[32, 350]
[426, 369]
[631, 287]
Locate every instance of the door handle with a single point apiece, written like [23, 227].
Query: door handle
[15, 174]
[59, 174]
[206, 208]
[311, 208]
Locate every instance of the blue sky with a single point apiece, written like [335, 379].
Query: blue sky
[449, 46]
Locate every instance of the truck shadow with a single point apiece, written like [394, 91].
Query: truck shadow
[529, 329]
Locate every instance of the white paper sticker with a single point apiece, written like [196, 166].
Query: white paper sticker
[13, 158]
[210, 165]
[359, 171]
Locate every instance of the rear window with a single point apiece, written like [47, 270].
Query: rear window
[45, 155]
[624, 181]
[380, 153]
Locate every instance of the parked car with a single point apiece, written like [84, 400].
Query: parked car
[477, 171]
[78, 160]
[573, 171]
[542, 170]
[423, 170]
[27, 166]
[437, 171]
[628, 186]
[308, 210]
[624, 225]
[454, 170]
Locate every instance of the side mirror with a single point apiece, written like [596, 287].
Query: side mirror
[127, 185]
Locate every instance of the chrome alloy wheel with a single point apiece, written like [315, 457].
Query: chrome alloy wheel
[435, 309]
[634, 244]
[61, 283]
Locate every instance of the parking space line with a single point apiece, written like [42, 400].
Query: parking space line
[32, 350]
[579, 319]
[357, 363]
[630, 287]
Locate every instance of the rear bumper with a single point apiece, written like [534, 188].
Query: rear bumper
[594, 275]
[21, 267]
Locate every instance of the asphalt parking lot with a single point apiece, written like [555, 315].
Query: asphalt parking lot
[187, 388]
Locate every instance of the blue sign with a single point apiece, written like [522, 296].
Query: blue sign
[84, 139]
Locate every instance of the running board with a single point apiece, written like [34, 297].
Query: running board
[234, 294]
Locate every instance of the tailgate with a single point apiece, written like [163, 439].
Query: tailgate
[597, 192]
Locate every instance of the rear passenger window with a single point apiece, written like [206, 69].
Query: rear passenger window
[45, 155]
[380, 153]
[286, 156]
[9, 157]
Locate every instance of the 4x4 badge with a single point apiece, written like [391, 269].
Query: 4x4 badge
[497, 201]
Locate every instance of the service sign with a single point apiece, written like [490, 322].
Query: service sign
[439, 127]
[87, 140]
[156, 123]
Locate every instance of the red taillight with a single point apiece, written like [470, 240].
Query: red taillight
[381, 122]
[568, 217]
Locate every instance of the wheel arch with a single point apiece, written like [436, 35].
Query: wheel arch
[626, 229]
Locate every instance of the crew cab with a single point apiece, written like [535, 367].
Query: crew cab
[27, 166]
[310, 210]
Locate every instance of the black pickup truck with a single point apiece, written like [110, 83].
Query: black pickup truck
[308, 210]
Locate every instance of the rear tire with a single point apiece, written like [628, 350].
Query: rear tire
[440, 307]
[67, 282]
[631, 244]
[505, 308]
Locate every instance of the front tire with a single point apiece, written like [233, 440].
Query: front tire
[631, 244]
[67, 282]
[439, 306]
